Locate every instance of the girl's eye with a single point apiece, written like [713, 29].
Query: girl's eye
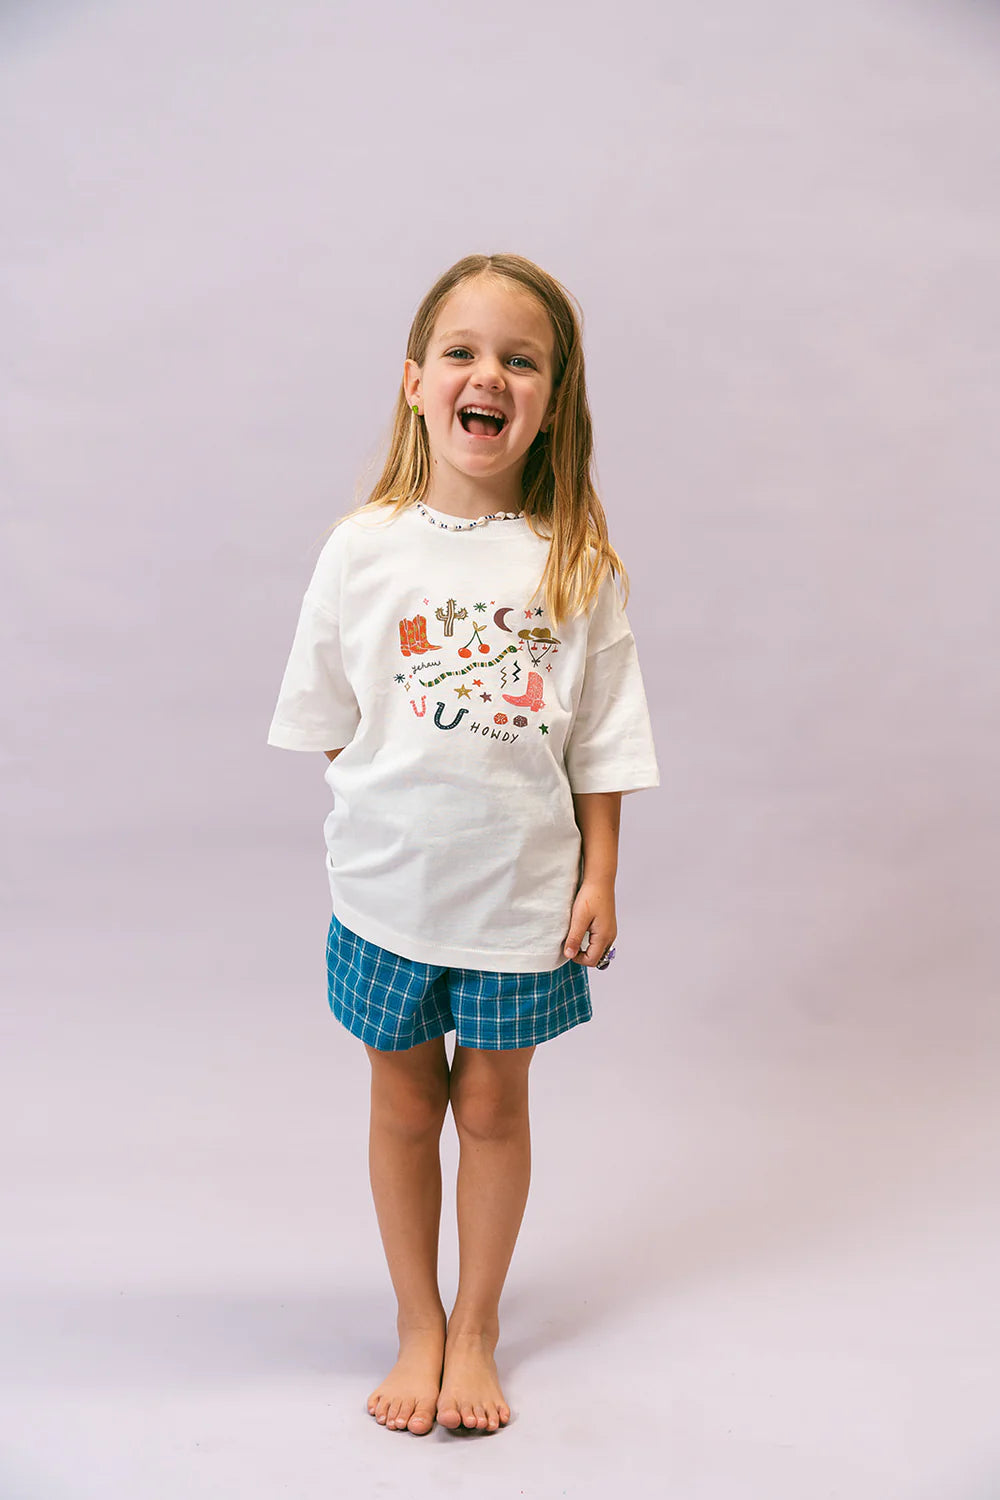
[513, 356]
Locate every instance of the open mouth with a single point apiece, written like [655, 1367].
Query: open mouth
[480, 423]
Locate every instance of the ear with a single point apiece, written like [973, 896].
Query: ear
[411, 381]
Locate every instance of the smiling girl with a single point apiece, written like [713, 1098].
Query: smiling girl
[462, 646]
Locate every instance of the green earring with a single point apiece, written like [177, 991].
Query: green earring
[414, 406]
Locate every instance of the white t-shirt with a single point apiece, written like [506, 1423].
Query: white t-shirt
[468, 723]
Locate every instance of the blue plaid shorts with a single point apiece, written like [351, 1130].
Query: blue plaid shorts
[393, 1003]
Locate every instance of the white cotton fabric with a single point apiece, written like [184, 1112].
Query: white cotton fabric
[452, 838]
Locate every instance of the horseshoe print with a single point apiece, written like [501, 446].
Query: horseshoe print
[456, 720]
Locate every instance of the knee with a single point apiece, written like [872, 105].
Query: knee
[410, 1107]
[487, 1111]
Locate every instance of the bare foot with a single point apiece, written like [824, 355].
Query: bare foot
[407, 1397]
[470, 1389]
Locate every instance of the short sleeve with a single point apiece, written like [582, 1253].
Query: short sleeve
[317, 708]
[608, 621]
[610, 746]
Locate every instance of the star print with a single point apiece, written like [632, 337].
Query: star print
[528, 613]
[477, 682]
[544, 728]
[427, 601]
[479, 606]
[538, 610]
[486, 697]
[463, 691]
[399, 677]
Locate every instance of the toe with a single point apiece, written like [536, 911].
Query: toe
[405, 1411]
[468, 1415]
[492, 1419]
[390, 1416]
[448, 1415]
[481, 1418]
[422, 1419]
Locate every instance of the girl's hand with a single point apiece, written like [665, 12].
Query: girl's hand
[594, 907]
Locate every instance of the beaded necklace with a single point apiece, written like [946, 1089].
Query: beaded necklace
[500, 515]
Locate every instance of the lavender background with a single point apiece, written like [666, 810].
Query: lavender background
[759, 1253]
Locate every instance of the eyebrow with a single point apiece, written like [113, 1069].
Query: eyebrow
[466, 333]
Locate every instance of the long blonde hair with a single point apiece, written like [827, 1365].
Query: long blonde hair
[560, 502]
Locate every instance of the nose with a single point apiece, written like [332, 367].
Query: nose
[489, 374]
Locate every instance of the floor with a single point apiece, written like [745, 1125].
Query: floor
[744, 1271]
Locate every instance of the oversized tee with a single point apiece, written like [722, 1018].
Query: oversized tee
[468, 722]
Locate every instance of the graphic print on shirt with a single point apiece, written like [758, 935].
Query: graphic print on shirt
[448, 615]
[413, 636]
[512, 671]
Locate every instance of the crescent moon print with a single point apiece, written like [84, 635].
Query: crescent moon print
[498, 617]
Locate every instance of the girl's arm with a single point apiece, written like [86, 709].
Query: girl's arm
[598, 817]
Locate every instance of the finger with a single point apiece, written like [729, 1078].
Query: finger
[599, 945]
[574, 938]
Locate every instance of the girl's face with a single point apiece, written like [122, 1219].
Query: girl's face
[492, 347]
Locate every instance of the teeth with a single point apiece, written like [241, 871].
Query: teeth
[485, 411]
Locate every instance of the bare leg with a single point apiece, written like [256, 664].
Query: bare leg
[409, 1100]
[489, 1099]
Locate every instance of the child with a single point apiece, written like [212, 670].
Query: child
[463, 649]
